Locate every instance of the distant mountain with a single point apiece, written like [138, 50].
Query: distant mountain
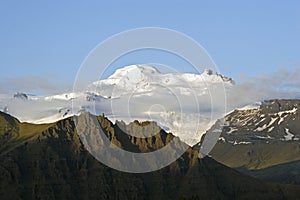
[146, 79]
[51, 162]
[183, 103]
[264, 141]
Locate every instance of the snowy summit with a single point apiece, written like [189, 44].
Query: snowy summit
[183, 103]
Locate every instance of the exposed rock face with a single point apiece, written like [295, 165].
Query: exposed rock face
[208, 71]
[225, 78]
[268, 123]
[22, 96]
[54, 164]
[277, 105]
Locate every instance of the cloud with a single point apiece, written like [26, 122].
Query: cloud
[186, 111]
[281, 84]
[45, 84]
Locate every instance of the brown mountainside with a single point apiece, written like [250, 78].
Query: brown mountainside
[54, 164]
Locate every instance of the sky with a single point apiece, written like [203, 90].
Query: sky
[43, 43]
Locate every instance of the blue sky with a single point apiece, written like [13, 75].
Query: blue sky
[51, 38]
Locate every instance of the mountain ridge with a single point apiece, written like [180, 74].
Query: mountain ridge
[259, 141]
[56, 165]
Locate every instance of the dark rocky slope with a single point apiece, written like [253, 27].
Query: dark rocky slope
[54, 164]
[263, 142]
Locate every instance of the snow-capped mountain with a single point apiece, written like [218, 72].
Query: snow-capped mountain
[261, 137]
[274, 120]
[185, 104]
[262, 141]
[144, 78]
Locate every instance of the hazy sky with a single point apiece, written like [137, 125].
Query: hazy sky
[48, 40]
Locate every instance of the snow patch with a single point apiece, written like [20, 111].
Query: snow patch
[292, 111]
[252, 106]
[263, 137]
[232, 130]
[239, 143]
[289, 135]
[261, 128]
[270, 129]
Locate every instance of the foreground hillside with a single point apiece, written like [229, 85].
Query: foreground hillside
[53, 164]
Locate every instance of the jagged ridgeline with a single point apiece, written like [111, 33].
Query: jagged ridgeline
[50, 162]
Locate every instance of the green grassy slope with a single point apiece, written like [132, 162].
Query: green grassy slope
[257, 155]
[14, 133]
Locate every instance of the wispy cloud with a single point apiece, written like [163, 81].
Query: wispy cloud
[45, 84]
[281, 84]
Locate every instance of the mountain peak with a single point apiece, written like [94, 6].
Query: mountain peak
[134, 70]
[208, 75]
[128, 77]
[208, 72]
[143, 73]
